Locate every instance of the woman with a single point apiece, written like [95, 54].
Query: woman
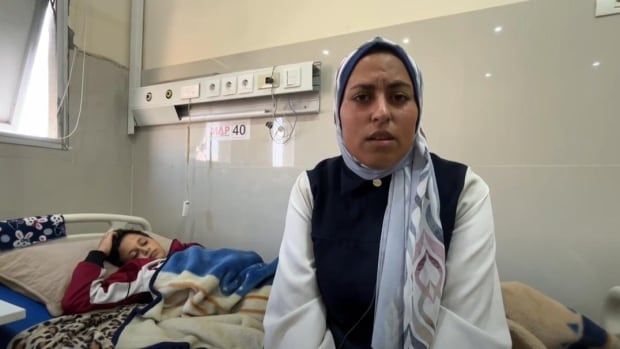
[387, 245]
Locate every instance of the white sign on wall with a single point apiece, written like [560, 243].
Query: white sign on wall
[229, 130]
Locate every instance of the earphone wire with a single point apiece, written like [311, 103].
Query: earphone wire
[370, 306]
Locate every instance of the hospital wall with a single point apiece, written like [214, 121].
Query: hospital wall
[526, 108]
[230, 27]
[105, 24]
[95, 174]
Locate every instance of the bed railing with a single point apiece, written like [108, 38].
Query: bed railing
[114, 221]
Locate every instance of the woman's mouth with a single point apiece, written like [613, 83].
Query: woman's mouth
[381, 138]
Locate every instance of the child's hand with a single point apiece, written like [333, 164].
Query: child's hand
[105, 245]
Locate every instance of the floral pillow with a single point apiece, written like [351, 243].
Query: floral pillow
[22, 232]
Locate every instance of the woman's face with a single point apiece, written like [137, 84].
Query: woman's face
[378, 113]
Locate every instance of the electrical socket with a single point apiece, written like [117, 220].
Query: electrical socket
[246, 83]
[262, 80]
[229, 86]
[213, 88]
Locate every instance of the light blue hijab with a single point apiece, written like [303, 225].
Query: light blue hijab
[411, 269]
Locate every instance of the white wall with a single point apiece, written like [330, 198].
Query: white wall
[178, 31]
[542, 131]
[106, 24]
[95, 175]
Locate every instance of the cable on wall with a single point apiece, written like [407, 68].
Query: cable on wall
[83, 49]
[276, 128]
[187, 201]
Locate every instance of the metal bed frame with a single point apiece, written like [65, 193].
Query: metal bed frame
[114, 221]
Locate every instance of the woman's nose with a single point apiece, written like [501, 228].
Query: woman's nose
[381, 111]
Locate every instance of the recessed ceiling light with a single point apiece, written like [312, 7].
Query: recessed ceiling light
[326, 52]
[596, 64]
[488, 75]
[498, 29]
[405, 41]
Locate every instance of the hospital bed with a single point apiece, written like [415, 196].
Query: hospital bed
[34, 277]
[36, 267]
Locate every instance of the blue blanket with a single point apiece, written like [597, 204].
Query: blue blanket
[203, 298]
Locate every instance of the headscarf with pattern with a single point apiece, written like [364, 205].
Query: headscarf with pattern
[411, 270]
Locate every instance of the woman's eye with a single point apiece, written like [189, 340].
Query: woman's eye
[361, 97]
[400, 97]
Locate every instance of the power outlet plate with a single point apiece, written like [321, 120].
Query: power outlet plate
[229, 86]
[246, 83]
[212, 87]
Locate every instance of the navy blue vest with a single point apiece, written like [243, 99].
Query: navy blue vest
[346, 234]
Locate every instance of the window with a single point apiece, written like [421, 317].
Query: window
[33, 64]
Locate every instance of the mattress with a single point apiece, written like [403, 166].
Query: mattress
[35, 313]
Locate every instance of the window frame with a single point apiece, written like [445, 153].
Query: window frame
[61, 40]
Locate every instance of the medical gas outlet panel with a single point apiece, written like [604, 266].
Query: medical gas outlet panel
[269, 81]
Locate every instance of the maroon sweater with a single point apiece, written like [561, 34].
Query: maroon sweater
[90, 289]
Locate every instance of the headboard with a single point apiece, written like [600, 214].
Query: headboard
[114, 221]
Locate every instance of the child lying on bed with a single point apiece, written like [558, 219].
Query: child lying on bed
[136, 253]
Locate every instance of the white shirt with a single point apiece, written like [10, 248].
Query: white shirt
[472, 312]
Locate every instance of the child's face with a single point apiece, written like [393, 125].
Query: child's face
[138, 246]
